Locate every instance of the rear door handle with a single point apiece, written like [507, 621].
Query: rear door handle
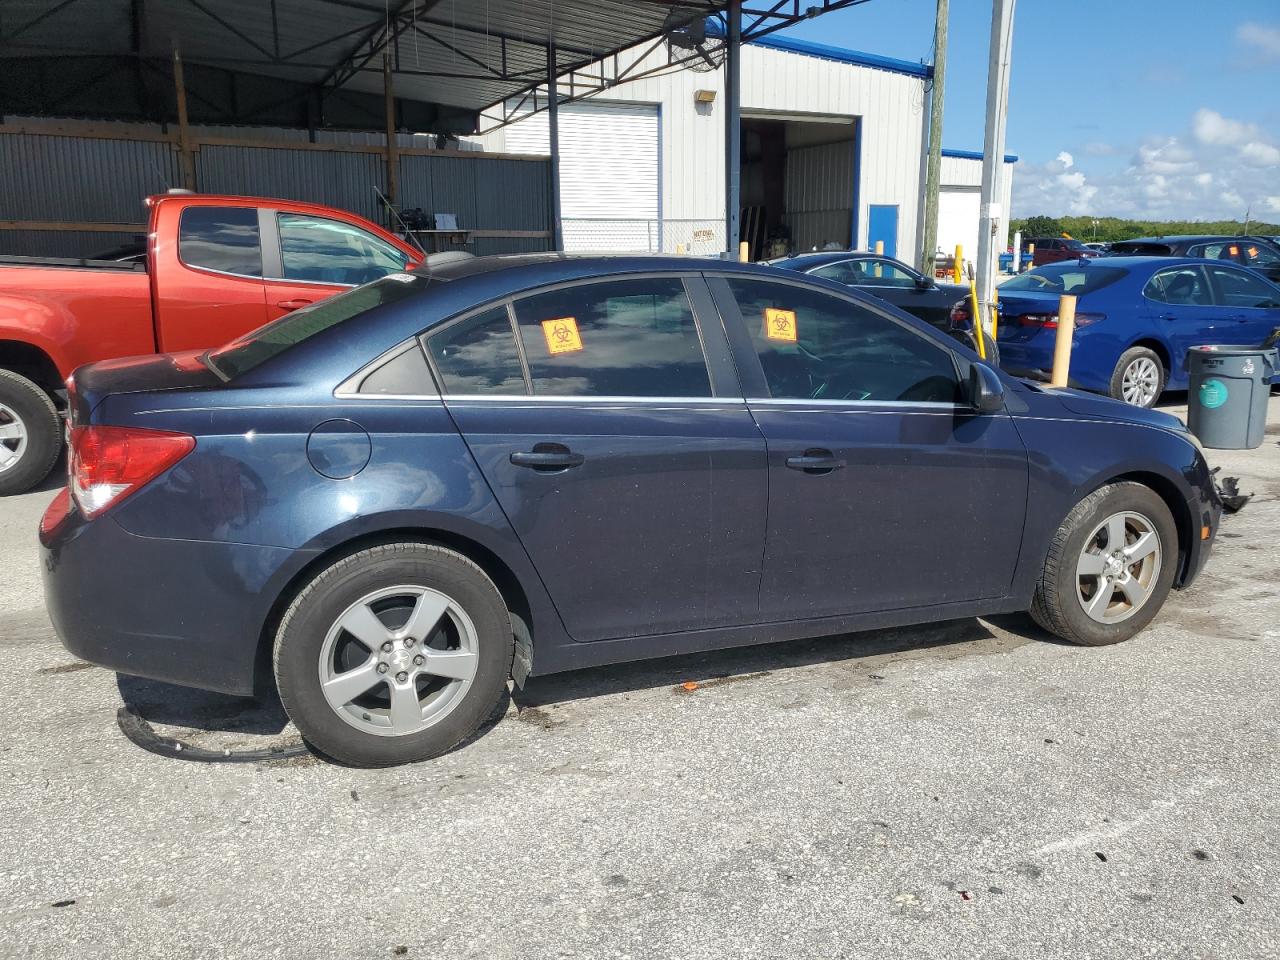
[548, 457]
[293, 304]
[815, 462]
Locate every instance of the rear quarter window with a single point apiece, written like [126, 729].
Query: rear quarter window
[225, 239]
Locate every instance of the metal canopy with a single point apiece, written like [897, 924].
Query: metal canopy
[258, 61]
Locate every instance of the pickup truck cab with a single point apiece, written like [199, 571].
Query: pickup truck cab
[215, 267]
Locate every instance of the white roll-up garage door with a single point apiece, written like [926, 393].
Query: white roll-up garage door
[609, 173]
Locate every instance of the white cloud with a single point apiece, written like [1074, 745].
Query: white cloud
[1260, 38]
[1210, 126]
[1213, 171]
[1260, 154]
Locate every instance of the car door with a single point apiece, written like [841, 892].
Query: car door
[310, 258]
[894, 283]
[208, 284]
[1180, 304]
[607, 419]
[1260, 257]
[885, 490]
[1250, 305]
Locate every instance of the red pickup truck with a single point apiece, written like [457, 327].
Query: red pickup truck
[212, 268]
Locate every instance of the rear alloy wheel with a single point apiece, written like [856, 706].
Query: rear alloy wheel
[30, 434]
[1139, 377]
[394, 654]
[1109, 568]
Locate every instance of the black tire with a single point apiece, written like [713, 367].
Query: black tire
[1128, 359]
[32, 407]
[1056, 605]
[317, 607]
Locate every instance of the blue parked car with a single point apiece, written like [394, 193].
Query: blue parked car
[1136, 318]
[388, 504]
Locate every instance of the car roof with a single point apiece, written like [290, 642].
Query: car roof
[818, 258]
[548, 267]
[1180, 238]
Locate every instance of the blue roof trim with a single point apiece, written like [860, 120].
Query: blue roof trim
[856, 57]
[975, 155]
[716, 28]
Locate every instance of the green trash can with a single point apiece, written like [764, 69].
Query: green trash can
[1227, 396]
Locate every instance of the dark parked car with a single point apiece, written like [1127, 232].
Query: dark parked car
[883, 277]
[1054, 249]
[1260, 253]
[390, 502]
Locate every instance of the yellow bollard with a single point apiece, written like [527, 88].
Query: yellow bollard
[679, 249]
[879, 253]
[744, 249]
[958, 267]
[979, 335]
[1031, 252]
[1062, 344]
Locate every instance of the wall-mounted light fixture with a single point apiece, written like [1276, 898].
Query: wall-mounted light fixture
[704, 96]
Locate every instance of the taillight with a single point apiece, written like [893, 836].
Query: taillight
[109, 463]
[1049, 321]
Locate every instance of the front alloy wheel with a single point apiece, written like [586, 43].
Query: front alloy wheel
[1117, 567]
[1140, 382]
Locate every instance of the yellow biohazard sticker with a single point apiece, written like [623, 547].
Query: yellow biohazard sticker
[562, 335]
[780, 324]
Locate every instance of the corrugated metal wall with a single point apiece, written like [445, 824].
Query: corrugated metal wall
[74, 178]
[818, 194]
[90, 179]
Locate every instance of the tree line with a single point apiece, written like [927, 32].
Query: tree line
[1111, 229]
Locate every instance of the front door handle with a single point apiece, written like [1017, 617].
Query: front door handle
[293, 304]
[548, 457]
[815, 462]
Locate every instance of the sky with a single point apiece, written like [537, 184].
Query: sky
[1149, 109]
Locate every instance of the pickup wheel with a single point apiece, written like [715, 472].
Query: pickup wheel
[30, 434]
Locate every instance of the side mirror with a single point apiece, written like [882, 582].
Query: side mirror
[924, 283]
[986, 392]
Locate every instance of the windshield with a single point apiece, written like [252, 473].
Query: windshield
[259, 346]
[1064, 278]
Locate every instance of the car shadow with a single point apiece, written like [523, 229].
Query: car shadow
[167, 703]
[951, 639]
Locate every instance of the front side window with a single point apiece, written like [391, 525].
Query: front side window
[225, 239]
[615, 338]
[882, 273]
[813, 346]
[1239, 289]
[478, 355]
[319, 250]
[1184, 286]
[1258, 256]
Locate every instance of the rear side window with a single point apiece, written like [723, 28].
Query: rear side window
[1065, 278]
[1184, 286]
[255, 348]
[319, 250]
[616, 338]
[1239, 289]
[225, 239]
[813, 346]
[478, 355]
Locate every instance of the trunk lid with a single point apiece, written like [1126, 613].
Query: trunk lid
[91, 384]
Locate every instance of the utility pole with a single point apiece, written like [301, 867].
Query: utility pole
[933, 173]
[993, 152]
[732, 127]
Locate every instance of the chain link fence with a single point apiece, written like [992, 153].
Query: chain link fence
[694, 237]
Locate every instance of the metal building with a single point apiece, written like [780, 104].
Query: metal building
[832, 153]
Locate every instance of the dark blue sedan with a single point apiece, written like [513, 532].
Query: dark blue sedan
[388, 504]
[1136, 318]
